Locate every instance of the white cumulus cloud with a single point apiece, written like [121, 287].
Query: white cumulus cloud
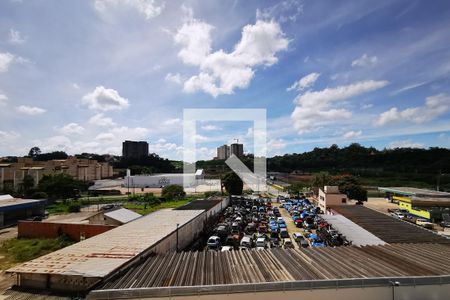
[104, 99]
[434, 107]
[6, 59]
[315, 108]
[30, 110]
[8, 136]
[126, 133]
[72, 128]
[352, 134]
[175, 78]
[304, 82]
[105, 136]
[210, 127]
[149, 8]
[222, 72]
[172, 122]
[101, 120]
[365, 61]
[404, 144]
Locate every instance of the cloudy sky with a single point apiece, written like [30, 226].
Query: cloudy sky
[82, 76]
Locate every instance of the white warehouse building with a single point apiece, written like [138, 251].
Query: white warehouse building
[162, 180]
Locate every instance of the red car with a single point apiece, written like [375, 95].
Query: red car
[299, 223]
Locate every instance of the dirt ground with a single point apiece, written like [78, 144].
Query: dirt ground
[69, 218]
[380, 204]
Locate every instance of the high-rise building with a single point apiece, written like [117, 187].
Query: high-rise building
[223, 152]
[237, 149]
[134, 150]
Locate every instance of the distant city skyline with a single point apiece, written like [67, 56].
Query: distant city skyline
[84, 76]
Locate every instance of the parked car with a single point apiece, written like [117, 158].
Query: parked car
[284, 233]
[287, 243]
[299, 223]
[226, 248]
[424, 223]
[247, 242]
[213, 242]
[274, 243]
[297, 237]
[318, 243]
[261, 243]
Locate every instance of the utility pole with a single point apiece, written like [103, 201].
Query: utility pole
[438, 180]
[177, 236]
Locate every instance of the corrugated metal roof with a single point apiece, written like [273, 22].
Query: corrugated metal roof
[122, 215]
[414, 191]
[353, 232]
[239, 267]
[101, 254]
[387, 228]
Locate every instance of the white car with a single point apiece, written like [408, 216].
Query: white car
[261, 243]
[226, 248]
[213, 242]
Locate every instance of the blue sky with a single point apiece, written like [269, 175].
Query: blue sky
[82, 76]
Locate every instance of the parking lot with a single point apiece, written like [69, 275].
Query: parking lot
[261, 223]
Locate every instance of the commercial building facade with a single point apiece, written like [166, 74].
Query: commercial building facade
[237, 149]
[134, 149]
[162, 180]
[12, 174]
[330, 196]
[223, 152]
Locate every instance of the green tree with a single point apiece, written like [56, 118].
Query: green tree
[61, 186]
[321, 179]
[172, 192]
[233, 184]
[34, 152]
[27, 184]
[350, 186]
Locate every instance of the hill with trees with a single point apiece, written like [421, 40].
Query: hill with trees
[419, 167]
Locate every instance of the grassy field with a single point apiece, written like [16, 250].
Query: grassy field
[15, 251]
[144, 209]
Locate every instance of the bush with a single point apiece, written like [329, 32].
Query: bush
[74, 207]
[149, 198]
[135, 198]
[172, 192]
[39, 195]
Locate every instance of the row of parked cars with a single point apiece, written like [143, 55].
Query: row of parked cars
[250, 223]
[317, 232]
[403, 214]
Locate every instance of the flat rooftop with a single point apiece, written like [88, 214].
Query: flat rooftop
[410, 191]
[6, 201]
[352, 231]
[190, 269]
[387, 228]
[200, 204]
[102, 254]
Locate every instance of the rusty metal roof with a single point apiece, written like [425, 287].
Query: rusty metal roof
[101, 254]
[277, 265]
